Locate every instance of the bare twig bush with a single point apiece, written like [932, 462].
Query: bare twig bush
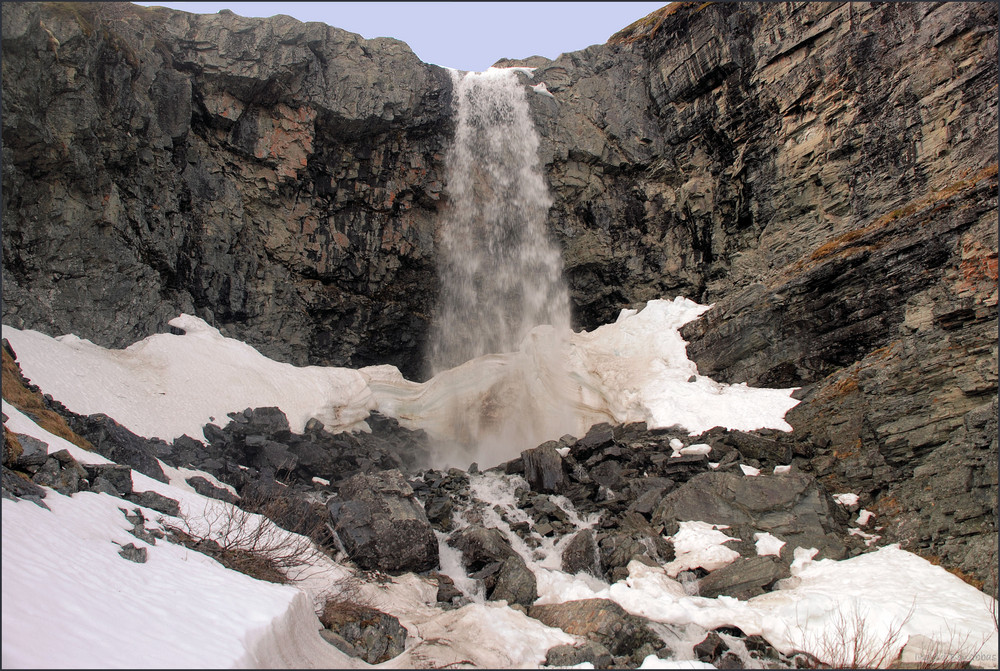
[247, 541]
[851, 641]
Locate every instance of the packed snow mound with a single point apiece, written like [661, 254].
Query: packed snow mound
[486, 410]
[169, 385]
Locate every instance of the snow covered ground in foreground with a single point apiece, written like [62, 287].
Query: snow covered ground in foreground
[69, 600]
[633, 370]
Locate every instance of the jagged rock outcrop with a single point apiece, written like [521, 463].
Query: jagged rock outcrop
[278, 178]
[824, 173]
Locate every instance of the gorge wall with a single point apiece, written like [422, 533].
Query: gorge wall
[824, 173]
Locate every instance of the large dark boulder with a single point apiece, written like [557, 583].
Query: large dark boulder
[792, 506]
[382, 525]
[114, 441]
[488, 556]
[543, 468]
[480, 546]
[580, 554]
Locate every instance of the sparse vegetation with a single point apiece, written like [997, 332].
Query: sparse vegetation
[853, 641]
[647, 26]
[938, 200]
[248, 542]
[29, 401]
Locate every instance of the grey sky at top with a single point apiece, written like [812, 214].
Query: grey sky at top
[460, 35]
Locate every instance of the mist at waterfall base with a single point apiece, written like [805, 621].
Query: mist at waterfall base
[500, 275]
[634, 370]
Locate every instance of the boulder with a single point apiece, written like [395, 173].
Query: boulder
[514, 583]
[62, 473]
[382, 525]
[116, 475]
[744, 578]
[581, 555]
[206, 488]
[480, 546]
[157, 502]
[370, 634]
[33, 454]
[133, 553]
[543, 468]
[19, 487]
[590, 652]
[792, 506]
[488, 556]
[114, 441]
[600, 620]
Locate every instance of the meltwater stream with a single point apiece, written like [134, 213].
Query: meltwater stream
[500, 275]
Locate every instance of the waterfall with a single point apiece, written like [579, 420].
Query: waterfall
[500, 275]
[502, 300]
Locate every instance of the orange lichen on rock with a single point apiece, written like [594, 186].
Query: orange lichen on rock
[647, 27]
[287, 138]
[937, 199]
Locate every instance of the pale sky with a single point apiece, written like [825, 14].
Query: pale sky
[461, 35]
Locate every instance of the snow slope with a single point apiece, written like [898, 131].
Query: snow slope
[70, 601]
[491, 407]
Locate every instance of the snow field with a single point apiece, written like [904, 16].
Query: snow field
[70, 601]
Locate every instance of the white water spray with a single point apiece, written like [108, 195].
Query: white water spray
[500, 274]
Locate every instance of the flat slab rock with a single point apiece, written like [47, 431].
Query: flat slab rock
[744, 578]
[600, 620]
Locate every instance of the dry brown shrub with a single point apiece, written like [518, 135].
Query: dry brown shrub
[247, 542]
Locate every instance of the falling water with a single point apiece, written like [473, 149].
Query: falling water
[500, 278]
[500, 274]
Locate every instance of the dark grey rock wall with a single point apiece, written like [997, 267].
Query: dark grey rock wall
[279, 179]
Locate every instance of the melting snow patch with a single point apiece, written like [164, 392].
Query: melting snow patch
[870, 539]
[768, 544]
[778, 470]
[700, 545]
[846, 499]
[540, 88]
[749, 470]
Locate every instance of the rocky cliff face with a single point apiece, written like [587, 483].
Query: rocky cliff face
[824, 173]
[280, 178]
